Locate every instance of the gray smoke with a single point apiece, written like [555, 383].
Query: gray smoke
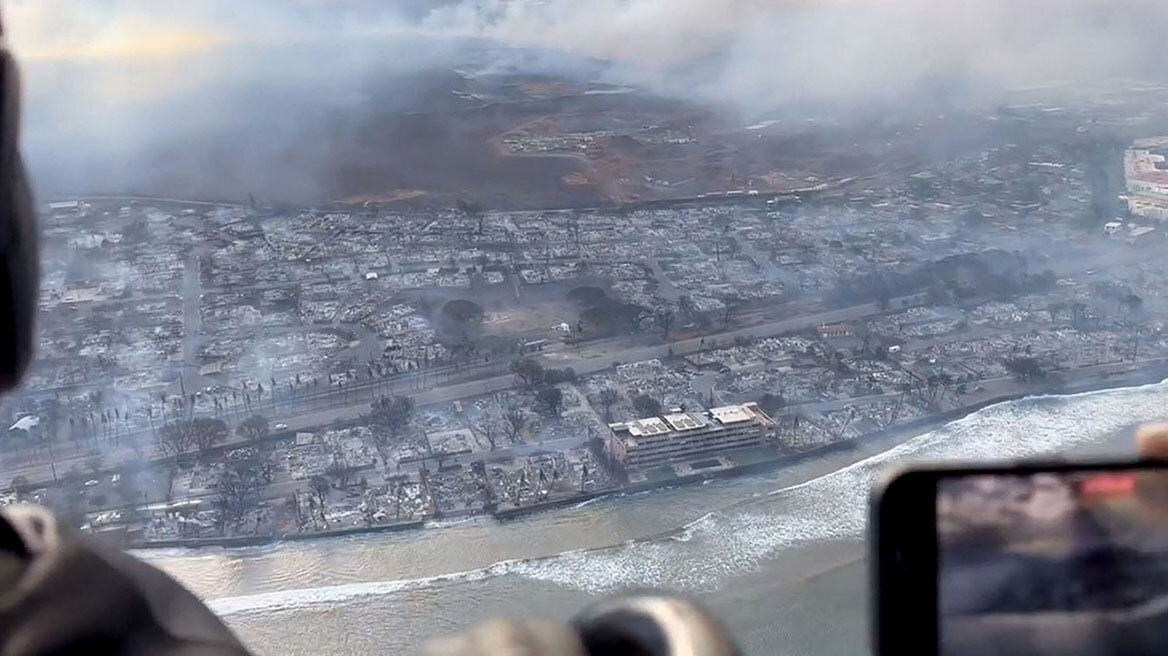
[756, 54]
[217, 99]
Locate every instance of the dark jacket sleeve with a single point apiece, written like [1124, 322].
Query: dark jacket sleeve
[60, 593]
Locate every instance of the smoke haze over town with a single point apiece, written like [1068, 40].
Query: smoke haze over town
[216, 99]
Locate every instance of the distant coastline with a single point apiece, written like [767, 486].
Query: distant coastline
[1084, 382]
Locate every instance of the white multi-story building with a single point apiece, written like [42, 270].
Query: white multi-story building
[1146, 177]
[1148, 208]
[682, 435]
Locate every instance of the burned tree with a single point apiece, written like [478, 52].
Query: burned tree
[174, 440]
[664, 318]
[391, 415]
[319, 485]
[206, 433]
[528, 373]
[490, 432]
[608, 398]
[516, 421]
[340, 470]
[239, 491]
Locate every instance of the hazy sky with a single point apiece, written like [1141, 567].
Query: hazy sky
[110, 78]
[845, 41]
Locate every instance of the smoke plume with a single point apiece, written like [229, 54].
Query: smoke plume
[219, 98]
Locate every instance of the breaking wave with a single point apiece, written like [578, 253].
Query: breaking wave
[288, 599]
[735, 539]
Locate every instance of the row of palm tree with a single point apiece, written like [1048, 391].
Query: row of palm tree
[97, 421]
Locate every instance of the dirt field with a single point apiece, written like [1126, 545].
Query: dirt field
[634, 147]
[434, 137]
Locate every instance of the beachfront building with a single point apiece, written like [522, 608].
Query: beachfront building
[1146, 174]
[681, 435]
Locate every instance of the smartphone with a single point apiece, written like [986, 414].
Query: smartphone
[1022, 558]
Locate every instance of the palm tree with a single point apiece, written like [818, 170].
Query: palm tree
[73, 433]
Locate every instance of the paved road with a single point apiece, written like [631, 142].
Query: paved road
[149, 199]
[603, 357]
[192, 323]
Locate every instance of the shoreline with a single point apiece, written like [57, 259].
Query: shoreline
[1092, 381]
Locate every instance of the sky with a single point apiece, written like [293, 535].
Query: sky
[813, 45]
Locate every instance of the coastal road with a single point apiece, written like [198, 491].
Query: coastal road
[603, 357]
[150, 199]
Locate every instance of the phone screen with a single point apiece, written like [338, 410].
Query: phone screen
[1057, 562]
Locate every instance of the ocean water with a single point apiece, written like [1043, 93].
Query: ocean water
[778, 556]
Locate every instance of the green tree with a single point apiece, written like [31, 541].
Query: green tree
[1025, 368]
[557, 376]
[393, 413]
[772, 403]
[180, 437]
[549, 400]
[207, 432]
[528, 373]
[253, 428]
[646, 406]
[20, 485]
[173, 439]
[1133, 303]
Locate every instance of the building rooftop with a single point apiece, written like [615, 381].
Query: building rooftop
[682, 421]
[677, 422]
[647, 426]
[730, 414]
[1155, 177]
